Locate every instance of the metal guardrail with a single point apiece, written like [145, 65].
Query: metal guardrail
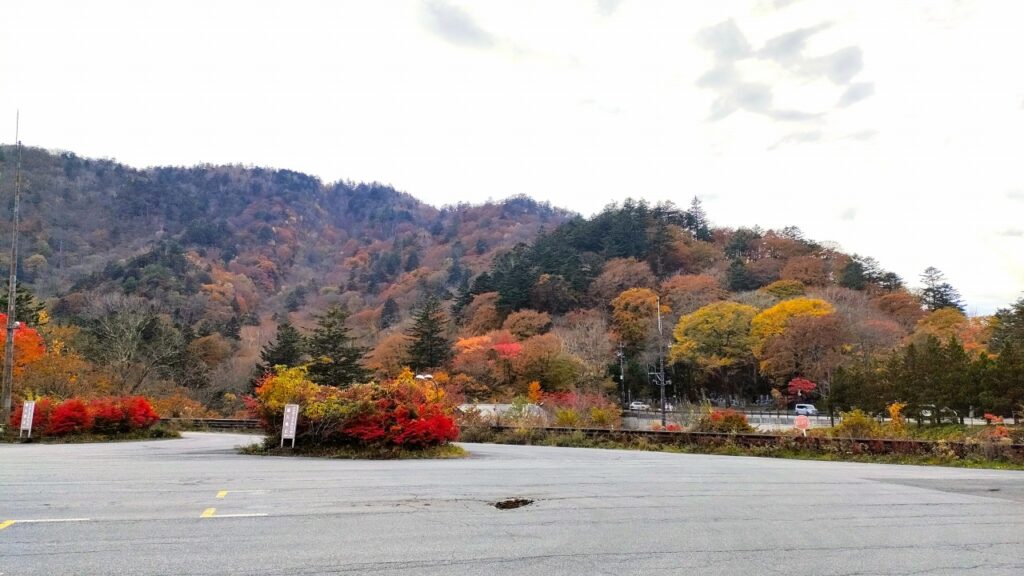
[215, 423]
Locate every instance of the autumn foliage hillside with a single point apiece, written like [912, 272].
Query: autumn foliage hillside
[192, 284]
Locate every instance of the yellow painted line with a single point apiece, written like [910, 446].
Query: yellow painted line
[208, 513]
[5, 524]
[222, 493]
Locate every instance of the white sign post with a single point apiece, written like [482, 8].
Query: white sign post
[291, 420]
[28, 410]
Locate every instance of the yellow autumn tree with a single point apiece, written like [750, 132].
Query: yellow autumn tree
[773, 321]
[634, 312]
[783, 289]
[714, 337]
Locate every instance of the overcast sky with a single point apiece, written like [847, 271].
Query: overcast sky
[892, 128]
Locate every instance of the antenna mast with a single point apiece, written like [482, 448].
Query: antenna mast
[12, 282]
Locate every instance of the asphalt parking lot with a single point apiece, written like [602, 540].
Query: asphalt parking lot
[195, 506]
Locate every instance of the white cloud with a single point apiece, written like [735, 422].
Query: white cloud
[855, 93]
[454, 24]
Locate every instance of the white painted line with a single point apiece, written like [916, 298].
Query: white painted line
[238, 515]
[223, 493]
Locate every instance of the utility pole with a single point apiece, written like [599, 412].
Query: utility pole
[622, 373]
[658, 374]
[12, 282]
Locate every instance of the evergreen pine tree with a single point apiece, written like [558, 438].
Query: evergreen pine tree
[739, 277]
[233, 328]
[412, 262]
[514, 276]
[429, 346]
[27, 307]
[336, 360]
[697, 221]
[285, 350]
[388, 314]
[1008, 327]
[937, 292]
[853, 276]
[890, 281]
[482, 283]
[463, 297]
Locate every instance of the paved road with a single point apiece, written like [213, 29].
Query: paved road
[136, 508]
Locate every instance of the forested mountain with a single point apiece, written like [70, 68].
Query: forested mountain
[216, 243]
[179, 281]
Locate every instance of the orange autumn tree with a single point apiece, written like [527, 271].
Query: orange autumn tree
[773, 321]
[686, 293]
[61, 371]
[534, 392]
[28, 345]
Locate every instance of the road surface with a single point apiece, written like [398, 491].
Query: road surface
[194, 506]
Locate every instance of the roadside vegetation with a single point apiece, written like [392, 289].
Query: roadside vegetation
[96, 420]
[400, 418]
[985, 455]
[442, 452]
[858, 438]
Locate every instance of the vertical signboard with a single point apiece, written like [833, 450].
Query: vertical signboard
[28, 410]
[291, 420]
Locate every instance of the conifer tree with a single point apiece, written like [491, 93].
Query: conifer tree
[429, 346]
[463, 297]
[853, 276]
[388, 314]
[25, 303]
[937, 292]
[336, 360]
[285, 350]
[697, 221]
[1008, 327]
[739, 277]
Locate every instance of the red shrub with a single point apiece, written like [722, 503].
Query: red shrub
[673, 428]
[40, 418]
[75, 416]
[139, 412]
[70, 416]
[108, 415]
[727, 420]
[427, 426]
[369, 429]
[399, 420]
[993, 419]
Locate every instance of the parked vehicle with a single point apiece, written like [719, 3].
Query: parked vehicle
[938, 415]
[806, 410]
[636, 405]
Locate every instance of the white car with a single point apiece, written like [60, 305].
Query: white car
[639, 406]
[806, 410]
